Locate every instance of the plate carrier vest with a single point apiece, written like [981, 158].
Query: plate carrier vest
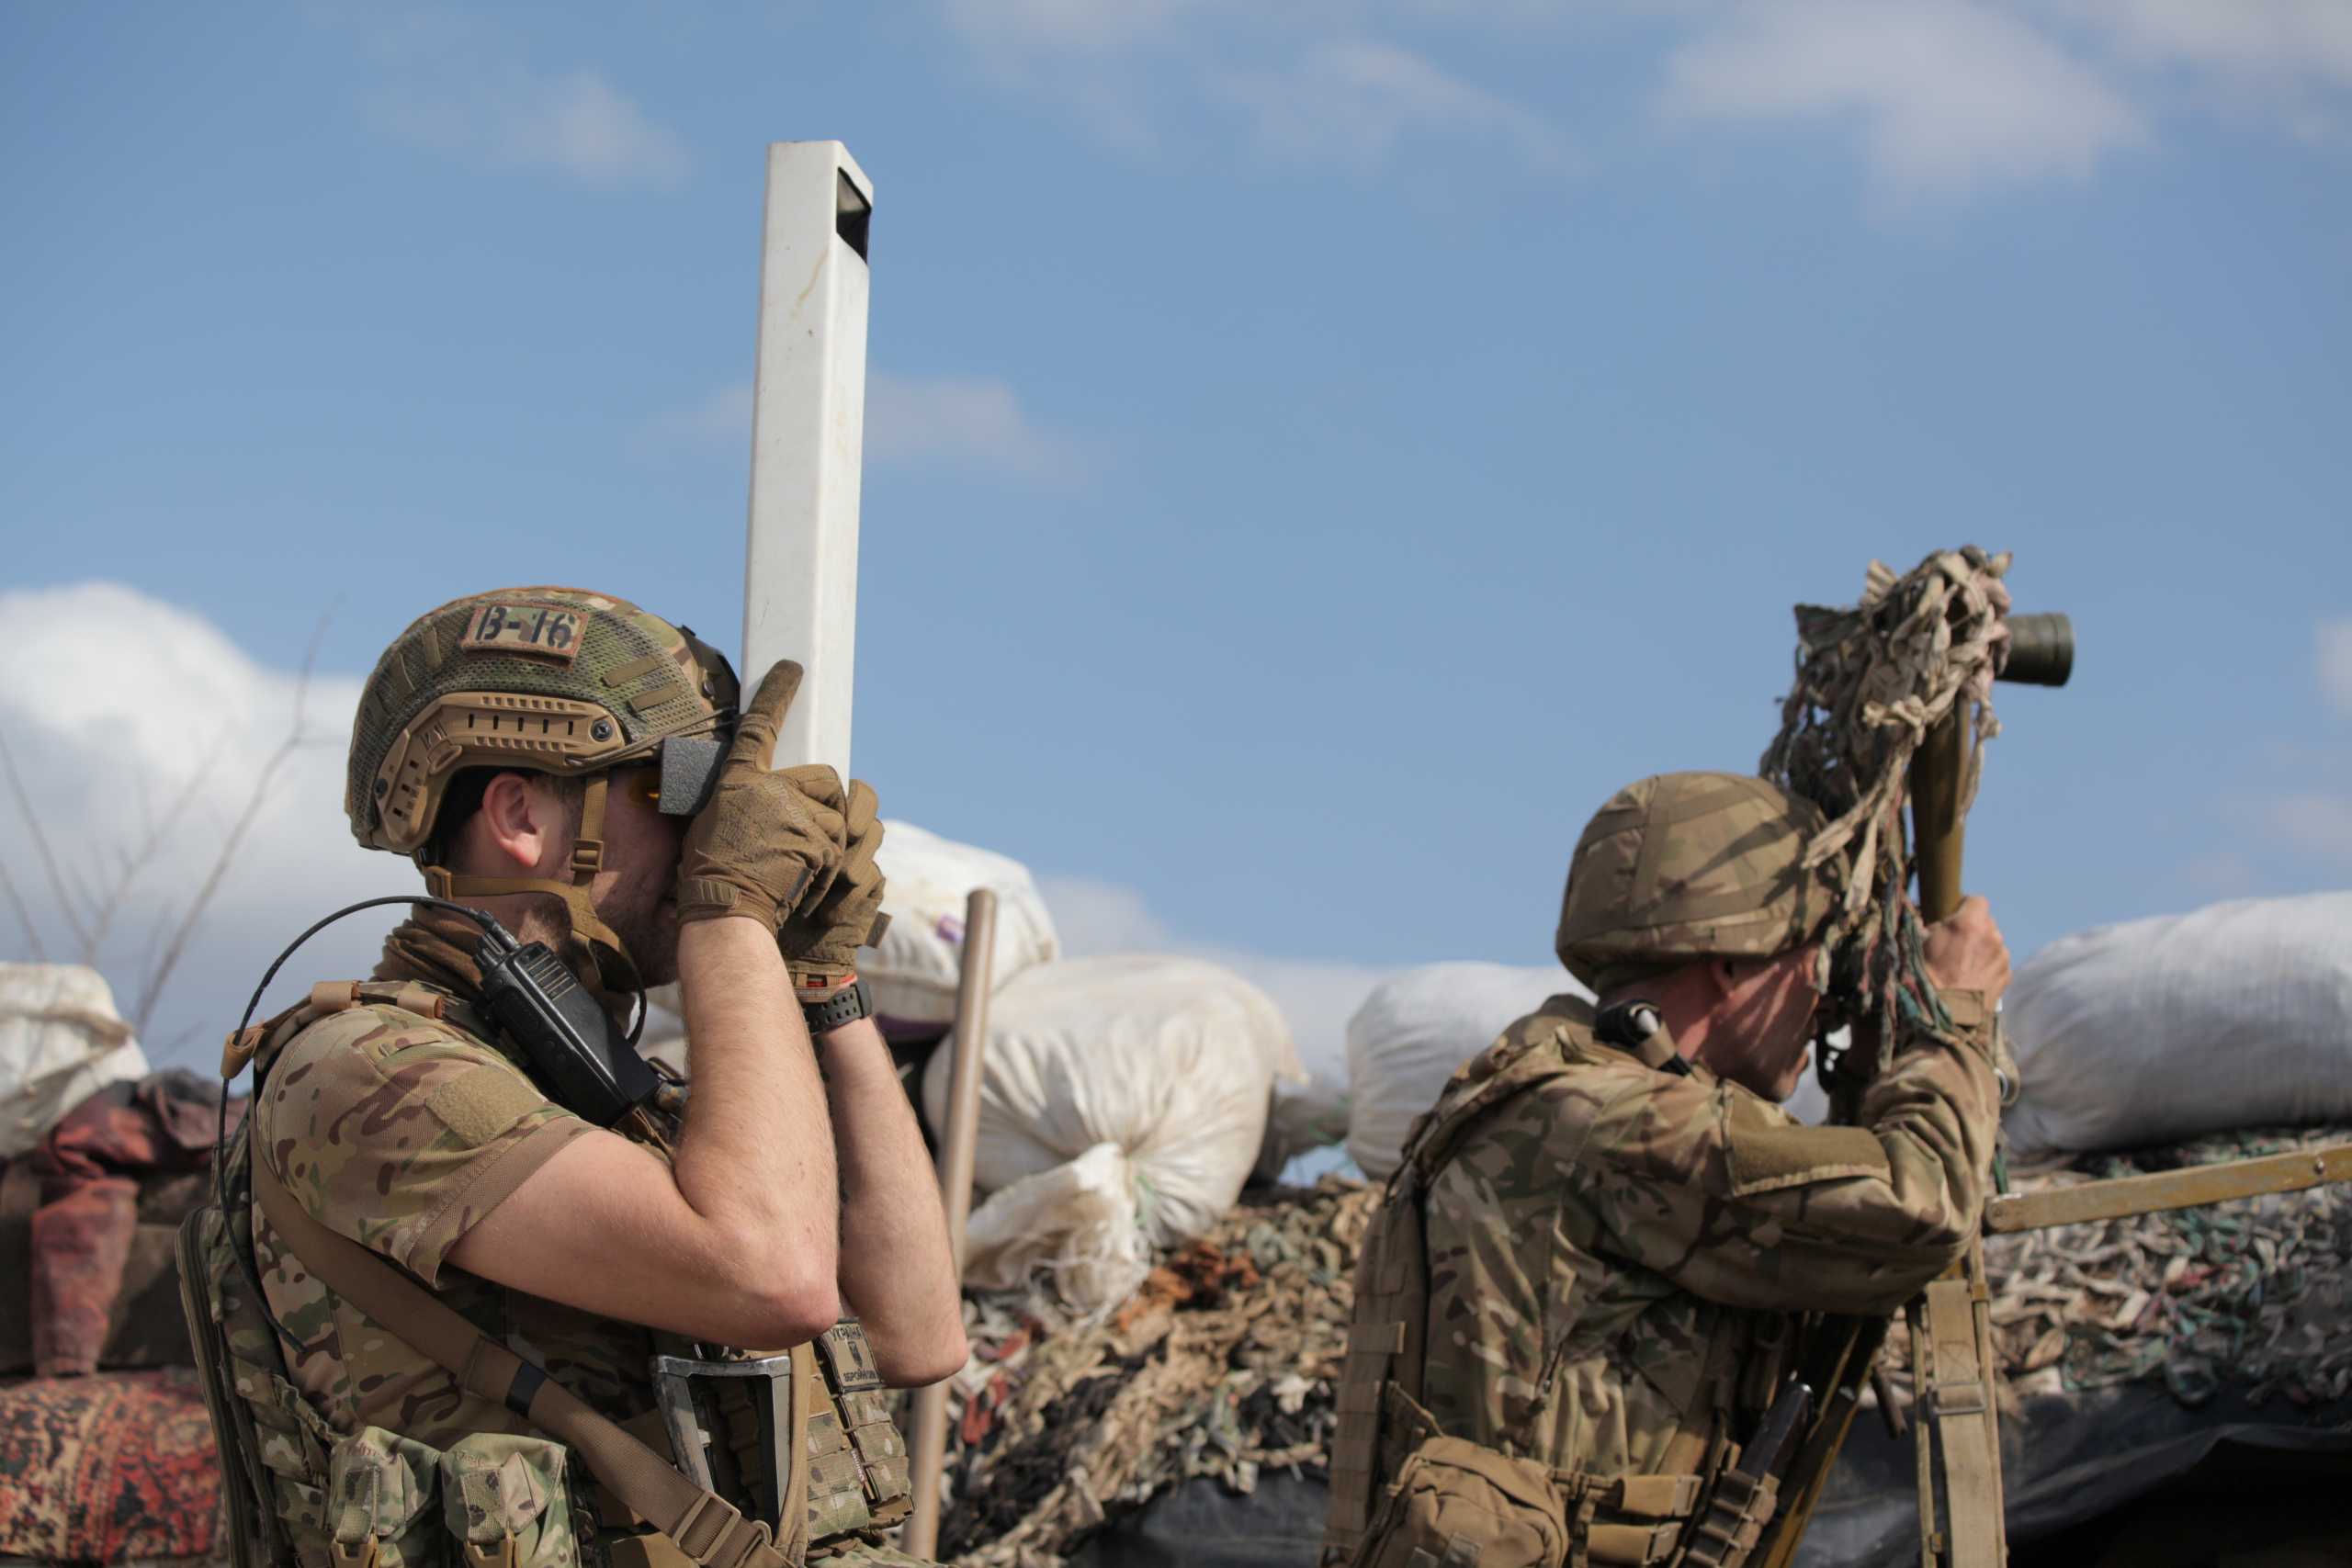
[850, 1471]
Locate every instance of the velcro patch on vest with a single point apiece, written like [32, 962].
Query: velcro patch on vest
[1766, 1155]
[836, 1496]
[865, 1408]
[481, 1102]
[545, 631]
[825, 1435]
[878, 1444]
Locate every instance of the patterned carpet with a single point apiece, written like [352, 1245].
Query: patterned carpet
[108, 1467]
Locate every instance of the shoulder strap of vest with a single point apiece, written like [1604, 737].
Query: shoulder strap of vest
[263, 1040]
[1440, 1129]
[702, 1524]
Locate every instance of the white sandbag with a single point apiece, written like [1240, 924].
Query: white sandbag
[60, 1041]
[1169, 1058]
[928, 880]
[2154, 1031]
[1310, 1109]
[1075, 1225]
[1412, 1032]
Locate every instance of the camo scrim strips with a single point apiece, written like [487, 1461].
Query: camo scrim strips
[1872, 680]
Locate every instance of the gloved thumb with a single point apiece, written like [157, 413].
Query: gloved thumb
[755, 733]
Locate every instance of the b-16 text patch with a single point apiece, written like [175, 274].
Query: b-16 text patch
[525, 629]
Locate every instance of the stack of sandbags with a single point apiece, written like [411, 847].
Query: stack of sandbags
[1415, 1030]
[2234, 1016]
[60, 1041]
[1123, 1102]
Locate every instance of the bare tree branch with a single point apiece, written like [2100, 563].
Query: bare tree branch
[24, 916]
[132, 862]
[153, 991]
[40, 840]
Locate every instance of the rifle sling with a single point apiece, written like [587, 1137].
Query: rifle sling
[703, 1525]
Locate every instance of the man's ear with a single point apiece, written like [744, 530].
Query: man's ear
[518, 824]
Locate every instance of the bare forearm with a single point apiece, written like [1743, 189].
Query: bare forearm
[758, 1149]
[895, 1272]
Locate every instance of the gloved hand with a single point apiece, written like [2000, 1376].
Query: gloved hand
[820, 939]
[760, 843]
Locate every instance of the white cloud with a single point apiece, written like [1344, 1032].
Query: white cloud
[968, 422]
[720, 422]
[2254, 37]
[113, 706]
[1014, 28]
[1094, 917]
[576, 125]
[1306, 83]
[2335, 664]
[1351, 102]
[1950, 95]
[963, 421]
[2319, 824]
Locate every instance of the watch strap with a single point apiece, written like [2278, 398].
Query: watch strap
[847, 1005]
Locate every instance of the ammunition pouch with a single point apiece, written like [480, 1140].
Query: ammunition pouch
[506, 1502]
[384, 1502]
[1737, 1511]
[1456, 1504]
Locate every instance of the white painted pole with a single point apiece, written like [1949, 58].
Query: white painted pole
[809, 442]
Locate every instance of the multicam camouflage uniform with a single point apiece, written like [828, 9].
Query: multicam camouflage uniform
[396, 1119]
[402, 1132]
[1616, 1244]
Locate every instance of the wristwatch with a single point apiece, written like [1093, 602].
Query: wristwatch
[847, 1005]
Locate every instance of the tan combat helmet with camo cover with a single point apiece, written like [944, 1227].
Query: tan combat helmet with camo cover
[548, 680]
[1683, 866]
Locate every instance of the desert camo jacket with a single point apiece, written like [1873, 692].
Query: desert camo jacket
[402, 1133]
[1617, 1254]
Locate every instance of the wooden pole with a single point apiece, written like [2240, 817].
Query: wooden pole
[958, 1144]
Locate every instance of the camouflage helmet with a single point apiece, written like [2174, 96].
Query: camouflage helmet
[550, 679]
[1682, 867]
[547, 679]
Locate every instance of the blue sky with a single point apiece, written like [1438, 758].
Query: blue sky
[1316, 453]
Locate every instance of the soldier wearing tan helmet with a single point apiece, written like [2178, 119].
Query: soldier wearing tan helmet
[1578, 1299]
[579, 769]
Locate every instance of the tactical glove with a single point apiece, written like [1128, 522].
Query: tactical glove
[760, 843]
[821, 939]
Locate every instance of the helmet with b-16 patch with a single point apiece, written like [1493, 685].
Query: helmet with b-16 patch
[547, 679]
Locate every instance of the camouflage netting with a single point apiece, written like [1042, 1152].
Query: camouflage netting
[1872, 680]
[1222, 1365]
[2254, 1295]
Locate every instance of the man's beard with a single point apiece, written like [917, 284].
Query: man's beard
[645, 917]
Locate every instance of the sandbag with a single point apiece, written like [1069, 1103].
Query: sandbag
[2155, 1031]
[913, 973]
[60, 1041]
[1075, 1225]
[1412, 1032]
[1170, 1060]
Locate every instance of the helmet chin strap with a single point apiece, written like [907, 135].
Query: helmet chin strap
[615, 969]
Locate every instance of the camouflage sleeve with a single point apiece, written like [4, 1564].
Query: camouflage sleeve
[402, 1133]
[1737, 1202]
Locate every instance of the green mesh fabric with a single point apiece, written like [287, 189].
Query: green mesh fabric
[425, 663]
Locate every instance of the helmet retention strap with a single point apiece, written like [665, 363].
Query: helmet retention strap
[612, 959]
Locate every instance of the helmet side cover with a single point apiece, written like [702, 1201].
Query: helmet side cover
[1683, 866]
[546, 679]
